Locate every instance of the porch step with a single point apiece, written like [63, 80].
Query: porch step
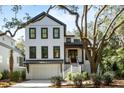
[74, 68]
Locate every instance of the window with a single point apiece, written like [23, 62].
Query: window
[68, 40]
[56, 33]
[44, 52]
[76, 40]
[44, 33]
[32, 33]
[56, 52]
[20, 61]
[32, 53]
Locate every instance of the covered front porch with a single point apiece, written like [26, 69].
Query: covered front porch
[73, 53]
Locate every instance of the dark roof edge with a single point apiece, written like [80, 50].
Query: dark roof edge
[70, 35]
[51, 17]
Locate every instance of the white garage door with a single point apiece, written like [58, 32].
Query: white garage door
[44, 71]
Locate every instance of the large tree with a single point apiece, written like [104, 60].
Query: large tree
[107, 20]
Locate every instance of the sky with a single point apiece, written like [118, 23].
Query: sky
[34, 10]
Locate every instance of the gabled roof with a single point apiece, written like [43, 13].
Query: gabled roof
[42, 15]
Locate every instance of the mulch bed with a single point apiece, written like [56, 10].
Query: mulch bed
[115, 84]
[7, 83]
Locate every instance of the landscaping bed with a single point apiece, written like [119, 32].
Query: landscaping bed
[16, 77]
[114, 84]
[6, 83]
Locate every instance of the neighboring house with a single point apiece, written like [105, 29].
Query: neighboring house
[50, 51]
[6, 44]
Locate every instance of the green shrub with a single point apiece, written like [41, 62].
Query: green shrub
[70, 76]
[23, 75]
[1, 76]
[5, 74]
[85, 75]
[96, 79]
[16, 76]
[107, 78]
[117, 74]
[56, 80]
[77, 79]
[122, 73]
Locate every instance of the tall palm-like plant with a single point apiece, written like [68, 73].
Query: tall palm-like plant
[11, 62]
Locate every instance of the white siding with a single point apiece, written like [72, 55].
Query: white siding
[4, 58]
[50, 42]
[5, 43]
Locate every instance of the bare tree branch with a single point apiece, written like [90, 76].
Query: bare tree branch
[85, 19]
[90, 7]
[73, 13]
[95, 25]
[103, 38]
[24, 24]
[51, 7]
[113, 21]
[121, 23]
[82, 19]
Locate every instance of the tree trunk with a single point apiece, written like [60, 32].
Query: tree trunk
[11, 64]
[93, 67]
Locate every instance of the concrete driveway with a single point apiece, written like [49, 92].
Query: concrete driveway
[33, 84]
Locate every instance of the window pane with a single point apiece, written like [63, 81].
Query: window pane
[68, 40]
[32, 52]
[44, 33]
[57, 52]
[77, 41]
[32, 33]
[45, 52]
[56, 32]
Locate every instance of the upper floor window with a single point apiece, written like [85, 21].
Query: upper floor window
[44, 52]
[44, 33]
[32, 51]
[76, 40]
[68, 40]
[56, 33]
[56, 51]
[32, 33]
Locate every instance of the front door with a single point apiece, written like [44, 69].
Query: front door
[72, 54]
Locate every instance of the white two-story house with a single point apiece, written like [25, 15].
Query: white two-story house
[6, 44]
[49, 51]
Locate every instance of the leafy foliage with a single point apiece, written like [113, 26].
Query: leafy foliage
[20, 45]
[23, 75]
[96, 79]
[122, 74]
[77, 79]
[16, 76]
[5, 74]
[113, 59]
[107, 78]
[56, 80]
[85, 75]
[1, 76]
